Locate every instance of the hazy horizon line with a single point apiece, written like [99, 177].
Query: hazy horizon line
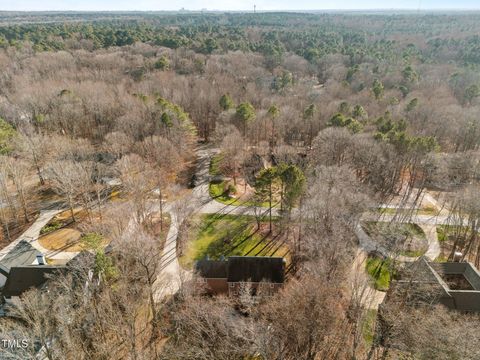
[245, 11]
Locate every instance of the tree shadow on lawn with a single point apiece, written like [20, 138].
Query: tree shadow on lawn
[229, 245]
[266, 245]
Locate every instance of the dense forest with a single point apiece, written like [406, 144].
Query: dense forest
[328, 122]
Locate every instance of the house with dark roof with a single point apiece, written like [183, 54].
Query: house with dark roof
[21, 254]
[228, 276]
[37, 275]
[213, 275]
[23, 278]
[22, 268]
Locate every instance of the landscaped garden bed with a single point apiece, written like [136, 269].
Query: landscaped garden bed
[405, 239]
[61, 233]
[71, 240]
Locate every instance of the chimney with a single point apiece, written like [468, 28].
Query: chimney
[41, 259]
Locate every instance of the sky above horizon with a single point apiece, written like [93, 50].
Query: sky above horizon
[265, 5]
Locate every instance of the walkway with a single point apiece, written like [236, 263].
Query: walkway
[360, 281]
[32, 235]
[172, 275]
[370, 297]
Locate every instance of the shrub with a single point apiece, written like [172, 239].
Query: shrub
[52, 226]
[162, 63]
[92, 241]
[230, 189]
[380, 270]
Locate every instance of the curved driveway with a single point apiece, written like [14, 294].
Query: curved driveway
[172, 275]
[201, 202]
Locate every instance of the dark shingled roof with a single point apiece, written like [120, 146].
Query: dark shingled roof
[4, 270]
[22, 254]
[256, 269]
[22, 278]
[212, 269]
[243, 269]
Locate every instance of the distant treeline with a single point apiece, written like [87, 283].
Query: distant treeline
[429, 37]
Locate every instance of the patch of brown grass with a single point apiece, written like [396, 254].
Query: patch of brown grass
[80, 215]
[67, 214]
[63, 239]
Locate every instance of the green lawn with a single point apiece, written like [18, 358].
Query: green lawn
[215, 165]
[412, 253]
[407, 229]
[51, 226]
[217, 188]
[380, 272]
[217, 192]
[423, 211]
[368, 326]
[216, 235]
[444, 231]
